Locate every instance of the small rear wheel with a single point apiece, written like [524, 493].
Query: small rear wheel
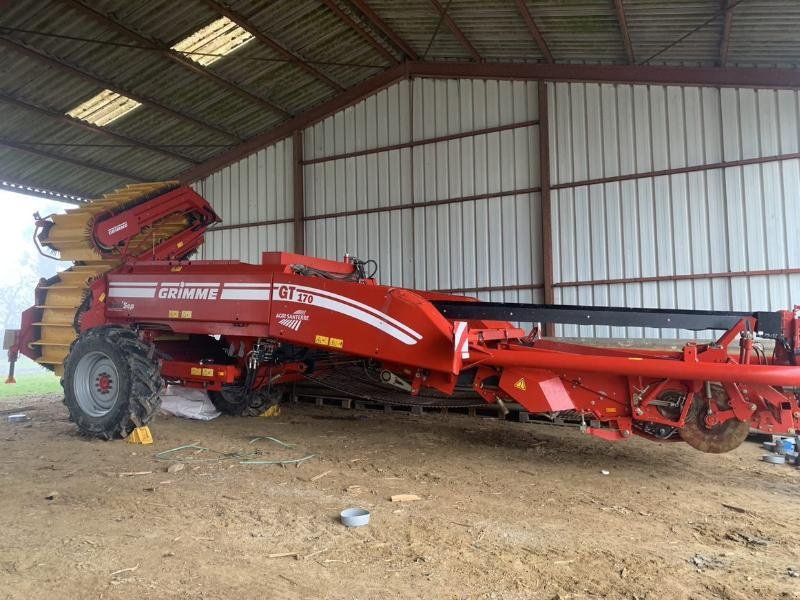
[233, 400]
[111, 382]
[722, 437]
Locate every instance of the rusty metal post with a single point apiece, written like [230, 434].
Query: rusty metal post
[544, 175]
[298, 192]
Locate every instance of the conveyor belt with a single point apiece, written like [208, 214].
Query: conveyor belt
[768, 323]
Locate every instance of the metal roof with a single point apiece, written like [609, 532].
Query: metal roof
[57, 54]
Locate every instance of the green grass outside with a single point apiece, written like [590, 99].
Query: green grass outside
[31, 384]
[32, 380]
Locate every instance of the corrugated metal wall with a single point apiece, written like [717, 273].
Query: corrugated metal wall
[473, 232]
[463, 244]
[735, 219]
[256, 189]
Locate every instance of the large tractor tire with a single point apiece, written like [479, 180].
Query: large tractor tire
[233, 401]
[111, 382]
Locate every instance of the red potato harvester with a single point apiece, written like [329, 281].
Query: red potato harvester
[133, 312]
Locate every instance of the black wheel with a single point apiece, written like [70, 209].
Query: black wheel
[232, 400]
[720, 438]
[111, 382]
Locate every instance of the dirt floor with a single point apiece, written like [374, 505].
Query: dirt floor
[507, 510]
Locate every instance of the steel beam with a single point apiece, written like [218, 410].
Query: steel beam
[72, 161]
[772, 78]
[547, 214]
[61, 118]
[456, 31]
[686, 277]
[384, 27]
[623, 28]
[74, 71]
[491, 288]
[678, 170]
[407, 205]
[174, 56]
[422, 142]
[263, 38]
[298, 213]
[361, 31]
[714, 76]
[725, 39]
[659, 318]
[250, 224]
[530, 23]
[32, 190]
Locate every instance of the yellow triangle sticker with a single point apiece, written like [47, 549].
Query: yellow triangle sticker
[520, 384]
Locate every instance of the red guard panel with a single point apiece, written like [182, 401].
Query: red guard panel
[390, 324]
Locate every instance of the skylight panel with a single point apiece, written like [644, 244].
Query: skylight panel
[104, 108]
[213, 41]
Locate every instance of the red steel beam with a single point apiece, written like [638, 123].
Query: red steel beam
[384, 27]
[773, 78]
[355, 26]
[687, 277]
[251, 224]
[284, 130]
[72, 161]
[544, 175]
[380, 209]
[456, 31]
[247, 25]
[683, 370]
[727, 25]
[423, 142]
[61, 118]
[679, 170]
[298, 193]
[526, 15]
[623, 28]
[492, 288]
[74, 71]
[408, 205]
[174, 56]
[712, 76]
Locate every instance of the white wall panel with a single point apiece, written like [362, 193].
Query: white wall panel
[714, 221]
[674, 228]
[255, 189]
[471, 244]
[248, 243]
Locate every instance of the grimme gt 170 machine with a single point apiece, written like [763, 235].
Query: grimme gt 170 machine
[134, 312]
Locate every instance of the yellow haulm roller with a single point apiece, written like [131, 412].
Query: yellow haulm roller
[69, 237]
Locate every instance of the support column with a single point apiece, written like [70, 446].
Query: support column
[298, 193]
[544, 174]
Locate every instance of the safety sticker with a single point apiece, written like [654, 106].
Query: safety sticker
[521, 385]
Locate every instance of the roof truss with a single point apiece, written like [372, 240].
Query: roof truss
[57, 116]
[456, 31]
[623, 28]
[176, 57]
[67, 68]
[360, 30]
[375, 19]
[537, 36]
[271, 43]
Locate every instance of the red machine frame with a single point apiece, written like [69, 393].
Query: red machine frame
[333, 308]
